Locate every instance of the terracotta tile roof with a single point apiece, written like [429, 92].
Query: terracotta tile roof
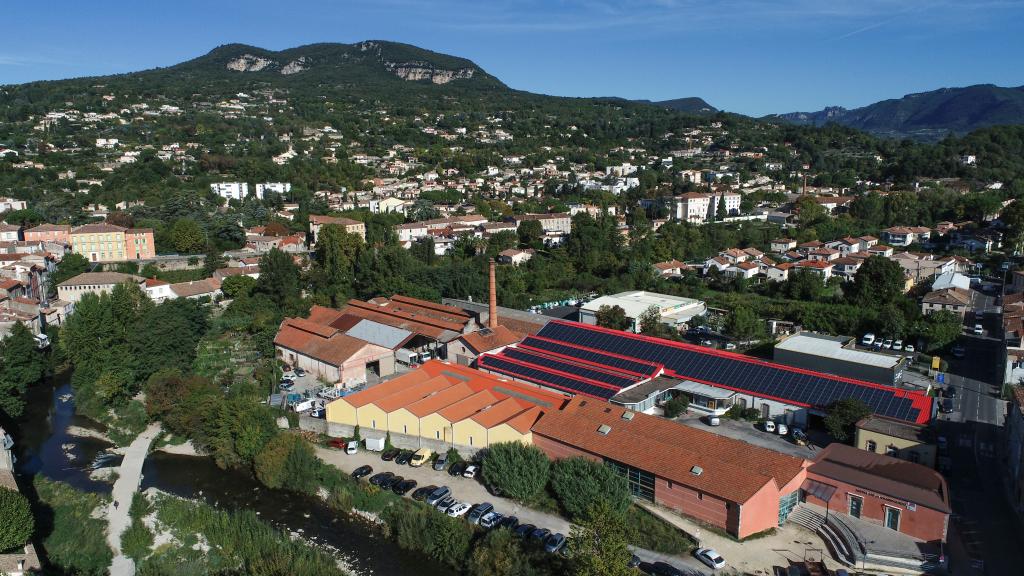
[97, 229]
[369, 312]
[468, 406]
[411, 394]
[498, 413]
[746, 265]
[730, 469]
[154, 282]
[9, 284]
[323, 315]
[525, 420]
[196, 288]
[50, 228]
[322, 220]
[441, 399]
[487, 339]
[334, 350]
[670, 265]
[382, 390]
[883, 474]
[819, 264]
[949, 297]
[101, 278]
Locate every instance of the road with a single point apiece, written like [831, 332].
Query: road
[473, 492]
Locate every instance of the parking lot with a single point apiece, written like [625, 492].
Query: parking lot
[750, 433]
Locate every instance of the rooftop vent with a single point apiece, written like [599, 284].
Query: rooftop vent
[696, 470]
[607, 410]
[627, 415]
[486, 332]
[583, 402]
[604, 429]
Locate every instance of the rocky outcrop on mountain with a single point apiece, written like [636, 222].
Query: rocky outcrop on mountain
[295, 66]
[249, 63]
[416, 71]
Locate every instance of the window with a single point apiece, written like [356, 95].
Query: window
[373, 424]
[437, 434]
[470, 440]
[871, 446]
[891, 450]
[641, 482]
[405, 429]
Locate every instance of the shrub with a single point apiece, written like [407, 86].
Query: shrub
[650, 532]
[580, 484]
[676, 406]
[18, 524]
[75, 541]
[287, 461]
[516, 470]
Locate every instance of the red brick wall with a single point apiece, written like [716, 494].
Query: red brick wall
[690, 502]
[923, 523]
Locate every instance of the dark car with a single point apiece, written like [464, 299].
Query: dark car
[362, 471]
[947, 406]
[554, 542]
[663, 569]
[376, 479]
[390, 455]
[404, 486]
[437, 495]
[539, 534]
[457, 469]
[441, 462]
[445, 503]
[478, 511]
[420, 494]
[510, 522]
[388, 483]
[403, 457]
[949, 392]
[524, 530]
[634, 561]
[299, 372]
[646, 568]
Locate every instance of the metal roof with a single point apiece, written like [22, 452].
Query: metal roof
[832, 348]
[380, 334]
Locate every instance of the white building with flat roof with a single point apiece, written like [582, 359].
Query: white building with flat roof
[674, 310]
[838, 355]
[230, 190]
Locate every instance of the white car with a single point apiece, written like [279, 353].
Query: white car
[471, 471]
[887, 344]
[897, 345]
[710, 557]
[909, 348]
[457, 509]
[782, 429]
[868, 339]
[978, 330]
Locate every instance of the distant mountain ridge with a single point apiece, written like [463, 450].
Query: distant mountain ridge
[925, 115]
[693, 105]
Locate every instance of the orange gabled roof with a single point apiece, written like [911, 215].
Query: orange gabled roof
[498, 413]
[440, 400]
[525, 420]
[322, 315]
[374, 393]
[407, 396]
[467, 406]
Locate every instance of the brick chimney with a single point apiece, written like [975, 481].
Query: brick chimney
[492, 309]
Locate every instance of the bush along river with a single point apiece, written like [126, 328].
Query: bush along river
[53, 441]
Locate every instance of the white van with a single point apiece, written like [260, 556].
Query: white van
[769, 426]
[868, 339]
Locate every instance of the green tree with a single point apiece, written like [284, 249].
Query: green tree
[235, 286]
[531, 233]
[187, 236]
[743, 324]
[580, 483]
[498, 554]
[336, 253]
[676, 406]
[721, 213]
[21, 365]
[70, 265]
[240, 432]
[1013, 217]
[650, 322]
[613, 317]
[213, 261]
[279, 278]
[517, 470]
[879, 281]
[599, 543]
[18, 523]
[287, 461]
[842, 415]
[941, 329]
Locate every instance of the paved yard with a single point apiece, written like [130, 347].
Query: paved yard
[751, 434]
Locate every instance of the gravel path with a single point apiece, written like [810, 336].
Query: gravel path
[128, 481]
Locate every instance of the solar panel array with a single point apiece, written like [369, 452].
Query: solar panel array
[545, 378]
[818, 390]
[645, 368]
[614, 380]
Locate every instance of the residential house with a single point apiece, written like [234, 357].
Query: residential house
[197, 289]
[955, 300]
[515, 256]
[671, 268]
[110, 243]
[905, 235]
[782, 245]
[10, 232]
[779, 272]
[72, 289]
[819, 267]
[846, 267]
[317, 222]
[897, 438]
[159, 290]
[56, 233]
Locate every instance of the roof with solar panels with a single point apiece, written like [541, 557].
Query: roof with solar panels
[599, 362]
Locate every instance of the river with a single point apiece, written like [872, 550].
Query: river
[44, 446]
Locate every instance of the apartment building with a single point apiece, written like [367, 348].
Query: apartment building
[110, 243]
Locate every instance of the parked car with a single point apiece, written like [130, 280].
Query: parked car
[404, 486]
[437, 495]
[539, 534]
[389, 483]
[421, 457]
[403, 457]
[978, 330]
[949, 392]
[909, 349]
[352, 447]
[458, 509]
[478, 512]
[713, 421]
[769, 426]
[524, 530]
[420, 494]
[362, 471]
[958, 351]
[339, 443]
[286, 385]
[947, 406]
[782, 429]
[510, 522]
[320, 413]
[457, 469]
[868, 339]
[798, 436]
[471, 471]
[491, 519]
[710, 557]
[288, 375]
[441, 462]
[445, 503]
[887, 343]
[554, 542]
[664, 569]
[389, 455]
[376, 479]
[300, 372]
[897, 345]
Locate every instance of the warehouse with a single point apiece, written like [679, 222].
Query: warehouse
[636, 370]
[674, 311]
[729, 484]
[837, 355]
[444, 405]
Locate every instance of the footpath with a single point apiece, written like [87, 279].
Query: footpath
[128, 481]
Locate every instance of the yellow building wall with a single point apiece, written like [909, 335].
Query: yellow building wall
[341, 412]
[106, 246]
[402, 421]
[372, 417]
[506, 433]
[436, 427]
[926, 452]
[470, 433]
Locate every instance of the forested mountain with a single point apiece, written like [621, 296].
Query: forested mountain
[926, 115]
[693, 104]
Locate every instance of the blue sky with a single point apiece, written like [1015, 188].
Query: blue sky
[748, 56]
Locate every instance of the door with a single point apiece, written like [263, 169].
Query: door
[765, 411]
[856, 503]
[892, 518]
